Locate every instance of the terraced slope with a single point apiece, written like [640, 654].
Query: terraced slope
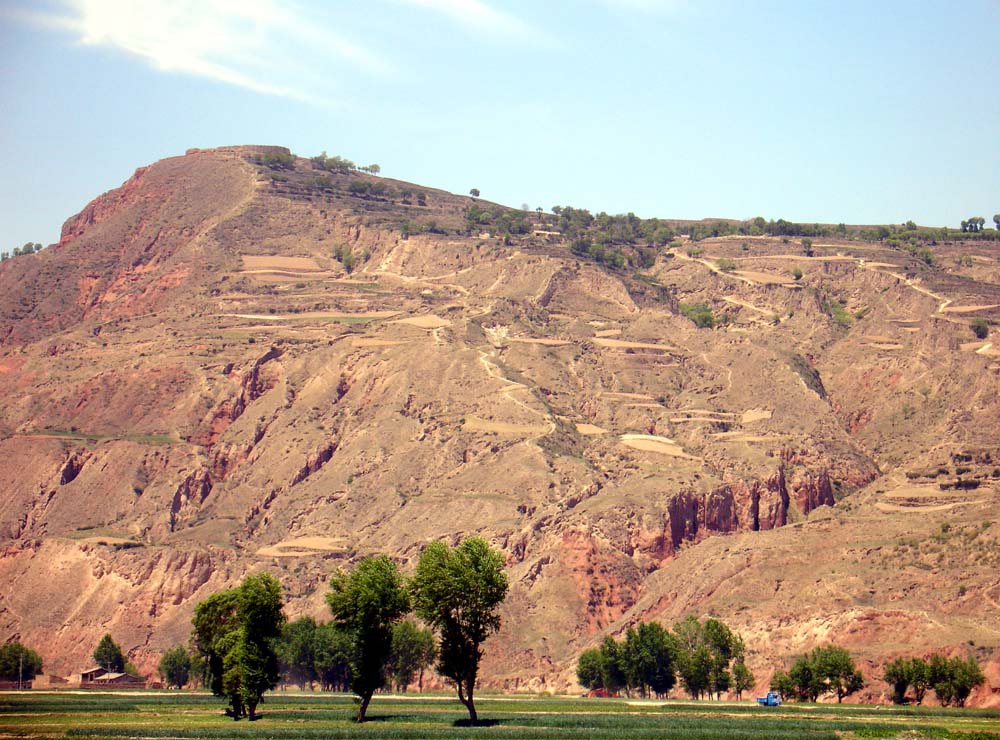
[197, 388]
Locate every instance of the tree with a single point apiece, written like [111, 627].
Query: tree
[803, 678]
[474, 192]
[953, 679]
[18, 663]
[235, 631]
[807, 247]
[365, 603]
[296, 651]
[175, 667]
[109, 656]
[782, 683]
[647, 659]
[827, 669]
[413, 650]
[996, 220]
[897, 675]
[589, 669]
[919, 674]
[797, 273]
[743, 679]
[835, 668]
[458, 592]
[332, 657]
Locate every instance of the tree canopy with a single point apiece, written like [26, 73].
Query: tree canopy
[19, 663]
[826, 669]
[458, 592]
[365, 604]
[175, 667]
[235, 630]
[109, 656]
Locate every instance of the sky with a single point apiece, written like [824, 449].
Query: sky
[809, 110]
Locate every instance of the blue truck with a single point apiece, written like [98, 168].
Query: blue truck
[771, 700]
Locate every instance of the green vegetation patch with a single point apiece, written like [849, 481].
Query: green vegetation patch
[700, 313]
[154, 439]
[317, 715]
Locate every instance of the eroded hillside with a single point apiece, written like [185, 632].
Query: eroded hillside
[197, 387]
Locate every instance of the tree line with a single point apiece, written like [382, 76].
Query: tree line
[245, 643]
[28, 248]
[951, 679]
[708, 657]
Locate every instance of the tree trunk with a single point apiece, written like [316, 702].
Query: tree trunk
[364, 706]
[470, 705]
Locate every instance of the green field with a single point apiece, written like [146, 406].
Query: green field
[306, 715]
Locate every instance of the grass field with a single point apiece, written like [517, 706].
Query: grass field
[318, 716]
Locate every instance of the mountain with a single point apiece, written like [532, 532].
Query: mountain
[243, 360]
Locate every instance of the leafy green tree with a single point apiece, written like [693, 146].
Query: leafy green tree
[413, 651]
[803, 677]
[783, 683]
[589, 669]
[296, 651]
[612, 675]
[474, 192]
[695, 668]
[743, 679]
[953, 679]
[807, 247]
[109, 656]
[18, 663]
[705, 653]
[458, 592]
[897, 675]
[332, 652]
[996, 220]
[919, 674]
[836, 669]
[797, 273]
[366, 603]
[647, 659]
[235, 631]
[826, 669]
[175, 667]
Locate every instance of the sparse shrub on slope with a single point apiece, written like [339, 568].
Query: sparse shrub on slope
[980, 327]
[699, 313]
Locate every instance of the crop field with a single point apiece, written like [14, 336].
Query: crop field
[306, 715]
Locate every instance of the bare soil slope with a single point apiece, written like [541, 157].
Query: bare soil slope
[197, 388]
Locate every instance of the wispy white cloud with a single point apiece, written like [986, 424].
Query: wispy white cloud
[648, 6]
[478, 15]
[268, 46]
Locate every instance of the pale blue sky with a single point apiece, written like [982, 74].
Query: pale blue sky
[862, 112]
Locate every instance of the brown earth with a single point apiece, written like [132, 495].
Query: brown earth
[196, 389]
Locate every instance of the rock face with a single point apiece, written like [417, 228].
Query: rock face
[197, 388]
